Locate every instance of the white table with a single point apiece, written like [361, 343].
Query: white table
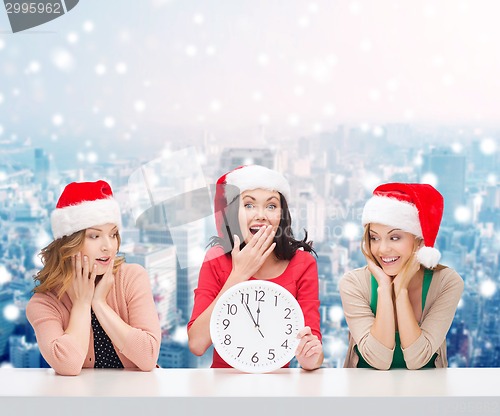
[453, 391]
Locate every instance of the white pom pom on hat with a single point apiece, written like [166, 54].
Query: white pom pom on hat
[412, 207]
[83, 205]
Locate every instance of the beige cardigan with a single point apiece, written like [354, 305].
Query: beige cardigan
[440, 306]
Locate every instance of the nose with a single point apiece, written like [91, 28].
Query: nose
[260, 213]
[384, 246]
[106, 243]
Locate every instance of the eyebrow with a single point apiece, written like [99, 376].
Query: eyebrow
[394, 229]
[267, 200]
[99, 229]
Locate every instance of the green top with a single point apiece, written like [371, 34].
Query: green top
[398, 360]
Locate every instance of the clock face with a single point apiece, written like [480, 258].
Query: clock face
[254, 326]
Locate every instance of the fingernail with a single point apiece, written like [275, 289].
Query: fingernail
[85, 258]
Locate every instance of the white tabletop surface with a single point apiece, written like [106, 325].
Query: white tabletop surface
[473, 391]
[334, 382]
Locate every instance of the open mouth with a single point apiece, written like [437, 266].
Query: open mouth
[255, 229]
[103, 260]
[389, 260]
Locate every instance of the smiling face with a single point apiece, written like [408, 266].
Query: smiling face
[258, 208]
[100, 246]
[391, 247]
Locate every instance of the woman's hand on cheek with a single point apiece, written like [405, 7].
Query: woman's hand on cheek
[104, 285]
[403, 279]
[81, 289]
[377, 272]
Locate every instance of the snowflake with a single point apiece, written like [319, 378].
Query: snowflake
[109, 122]
[100, 69]
[57, 120]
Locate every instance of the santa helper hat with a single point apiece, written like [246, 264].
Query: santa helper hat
[241, 179]
[83, 205]
[412, 207]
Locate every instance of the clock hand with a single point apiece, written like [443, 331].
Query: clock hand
[250, 313]
[258, 313]
[251, 316]
[258, 324]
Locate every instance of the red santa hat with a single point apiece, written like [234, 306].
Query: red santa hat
[245, 178]
[83, 205]
[412, 207]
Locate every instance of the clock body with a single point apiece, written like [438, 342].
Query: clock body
[254, 326]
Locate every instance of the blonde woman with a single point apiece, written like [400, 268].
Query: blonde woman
[90, 308]
[400, 306]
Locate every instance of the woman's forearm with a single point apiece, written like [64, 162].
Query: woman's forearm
[384, 328]
[408, 328]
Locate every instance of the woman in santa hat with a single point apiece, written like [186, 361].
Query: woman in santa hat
[255, 240]
[90, 308]
[400, 306]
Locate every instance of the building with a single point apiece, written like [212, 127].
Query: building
[160, 262]
[24, 354]
[449, 170]
[7, 325]
[173, 355]
[234, 157]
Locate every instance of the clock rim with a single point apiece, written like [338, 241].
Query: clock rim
[230, 292]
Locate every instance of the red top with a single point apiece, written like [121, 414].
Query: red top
[300, 278]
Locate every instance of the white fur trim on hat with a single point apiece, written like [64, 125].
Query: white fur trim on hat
[428, 257]
[392, 212]
[73, 218]
[254, 177]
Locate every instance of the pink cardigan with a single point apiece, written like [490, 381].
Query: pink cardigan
[130, 297]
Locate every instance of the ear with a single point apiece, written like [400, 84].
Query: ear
[419, 243]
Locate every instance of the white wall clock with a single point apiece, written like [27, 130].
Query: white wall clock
[254, 326]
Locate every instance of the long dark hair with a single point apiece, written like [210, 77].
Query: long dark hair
[286, 244]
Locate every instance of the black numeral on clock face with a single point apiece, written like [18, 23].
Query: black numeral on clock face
[285, 344]
[232, 309]
[288, 312]
[271, 355]
[289, 329]
[244, 298]
[226, 323]
[241, 350]
[259, 295]
[227, 339]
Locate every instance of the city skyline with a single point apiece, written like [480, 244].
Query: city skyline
[338, 95]
[330, 181]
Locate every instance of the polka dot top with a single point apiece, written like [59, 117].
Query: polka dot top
[105, 354]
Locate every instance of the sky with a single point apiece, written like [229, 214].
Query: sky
[142, 71]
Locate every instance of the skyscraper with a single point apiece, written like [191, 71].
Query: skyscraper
[234, 157]
[7, 326]
[449, 170]
[160, 262]
[24, 354]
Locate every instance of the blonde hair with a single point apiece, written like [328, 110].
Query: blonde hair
[57, 271]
